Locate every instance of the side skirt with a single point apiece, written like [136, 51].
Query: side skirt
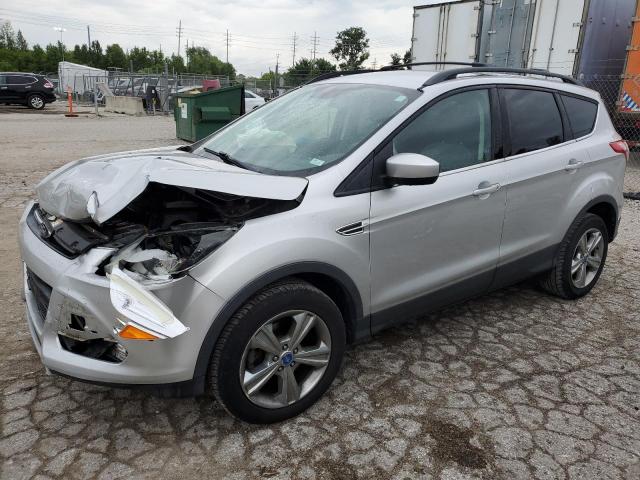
[505, 275]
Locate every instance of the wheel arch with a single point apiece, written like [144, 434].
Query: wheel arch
[330, 279]
[606, 208]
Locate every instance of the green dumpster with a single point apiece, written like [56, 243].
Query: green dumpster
[200, 114]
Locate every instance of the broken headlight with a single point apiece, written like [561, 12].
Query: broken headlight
[162, 256]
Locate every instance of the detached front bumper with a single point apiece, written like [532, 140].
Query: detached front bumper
[58, 288]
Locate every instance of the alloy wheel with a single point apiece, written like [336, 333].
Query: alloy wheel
[285, 359]
[587, 258]
[36, 102]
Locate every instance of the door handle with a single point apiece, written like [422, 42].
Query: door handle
[573, 165]
[484, 189]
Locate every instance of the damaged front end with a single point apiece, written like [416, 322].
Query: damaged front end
[154, 240]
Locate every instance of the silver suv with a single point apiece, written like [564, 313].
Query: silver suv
[244, 264]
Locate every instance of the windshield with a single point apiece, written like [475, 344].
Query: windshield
[308, 129]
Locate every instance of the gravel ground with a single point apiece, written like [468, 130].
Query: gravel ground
[512, 385]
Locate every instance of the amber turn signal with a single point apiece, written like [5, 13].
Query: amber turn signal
[132, 333]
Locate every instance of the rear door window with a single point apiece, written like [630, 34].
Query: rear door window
[20, 80]
[582, 114]
[534, 119]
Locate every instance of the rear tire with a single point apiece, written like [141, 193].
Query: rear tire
[580, 259]
[279, 353]
[36, 101]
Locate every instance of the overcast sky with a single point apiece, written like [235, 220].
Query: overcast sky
[258, 29]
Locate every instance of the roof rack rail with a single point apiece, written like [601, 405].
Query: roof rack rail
[337, 73]
[451, 74]
[417, 64]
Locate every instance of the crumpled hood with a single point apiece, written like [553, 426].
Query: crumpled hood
[108, 183]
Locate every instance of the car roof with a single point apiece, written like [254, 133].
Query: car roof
[21, 73]
[415, 79]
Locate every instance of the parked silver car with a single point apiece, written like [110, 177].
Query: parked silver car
[242, 265]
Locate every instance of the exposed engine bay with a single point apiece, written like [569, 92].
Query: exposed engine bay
[161, 233]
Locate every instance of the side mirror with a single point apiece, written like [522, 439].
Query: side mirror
[412, 169]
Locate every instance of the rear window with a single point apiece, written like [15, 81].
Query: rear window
[582, 115]
[20, 79]
[534, 120]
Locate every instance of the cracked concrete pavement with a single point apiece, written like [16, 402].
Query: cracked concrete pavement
[513, 385]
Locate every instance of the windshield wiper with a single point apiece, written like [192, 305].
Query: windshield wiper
[226, 158]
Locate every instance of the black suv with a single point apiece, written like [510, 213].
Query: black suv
[29, 89]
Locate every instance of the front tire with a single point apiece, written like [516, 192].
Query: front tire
[279, 353]
[36, 102]
[580, 259]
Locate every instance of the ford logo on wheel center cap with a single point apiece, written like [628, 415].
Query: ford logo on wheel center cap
[287, 358]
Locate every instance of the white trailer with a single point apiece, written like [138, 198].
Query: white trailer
[446, 32]
[571, 37]
[79, 78]
[556, 36]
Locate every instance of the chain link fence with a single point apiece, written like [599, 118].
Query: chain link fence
[84, 87]
[626, 119]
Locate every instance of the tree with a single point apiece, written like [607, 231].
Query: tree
[96, 56]
[15, 55]
[407, 57]
[140, 57]
[176, 64]
[53, 55]
[7, 37]
[305, 69]
[114, 57]
[352, 48]
[81, 55]
[38, 60]
[202, 61]
[21, 43]
[396, 59]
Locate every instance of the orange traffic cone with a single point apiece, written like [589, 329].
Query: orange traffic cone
[70, 100]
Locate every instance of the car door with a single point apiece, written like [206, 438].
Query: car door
[20, 86]
[545, 169]
[434, 244]
[7, 91]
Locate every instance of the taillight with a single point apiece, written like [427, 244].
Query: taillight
[621, 147]
[48, 84]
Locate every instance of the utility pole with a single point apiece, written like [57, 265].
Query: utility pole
[227, 42]
[88, 37]
[61, 30]
[314, 50]
[275, 76]
[295, 39]
[179, 30]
